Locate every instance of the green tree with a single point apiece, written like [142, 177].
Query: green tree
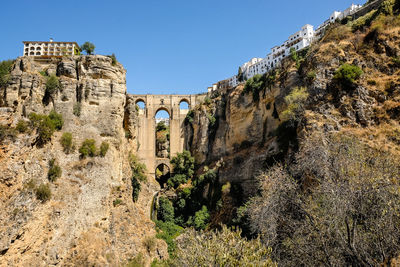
[57, 119]
[240, 75]
[88, 148]
[5, 70]
[200, 219]
[138, 168]
[183, 163]
[88, 48]
[165, 211]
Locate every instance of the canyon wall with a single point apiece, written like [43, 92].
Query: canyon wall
[90, 218]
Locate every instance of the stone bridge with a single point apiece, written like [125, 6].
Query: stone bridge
[146, 128]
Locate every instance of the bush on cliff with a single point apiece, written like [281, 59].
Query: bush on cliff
[22, 126]
[88, 148]
[5, 70]
[43, 192]
[136, 187]
[255, 85]
[67, 142]
[347, 75]
[138, 168]
[103, 149]
[295, 102]
[45, 125]
[54, 171]
[343, 211]
[219, 248]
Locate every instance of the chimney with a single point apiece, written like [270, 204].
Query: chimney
[51, 40]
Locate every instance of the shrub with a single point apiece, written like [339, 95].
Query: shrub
[67, 142]
[219, 248]
[45, 130]
[103, 149]
[371, 82]
[254, 85]
[43, 192]
[117, 202]
[352, 192]
[347, 74]
[150, 243]
[57, 119]
[113, 59]
[138, 168]
[168, 231]
[161, 126]
[77, 109]
[189, 117]
[137, 261]
[52, 84]
[295, 104]
[54, 171]
[136, 187]
[396, 61]
[311, 75]
[207, 100]
[5, 70]
[386, 7]
[88, 148]
[165, 211]
[22, 126]
[211, 119]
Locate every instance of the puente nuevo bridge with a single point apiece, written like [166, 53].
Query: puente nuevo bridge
[146, 128]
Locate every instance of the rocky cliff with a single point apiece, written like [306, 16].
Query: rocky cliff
[90, 219]
[246, 131]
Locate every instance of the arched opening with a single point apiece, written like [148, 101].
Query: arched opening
[163, 173]
[140, 106]
[162, 133]
[184, 105]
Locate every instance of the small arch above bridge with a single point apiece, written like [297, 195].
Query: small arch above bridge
[147, 122]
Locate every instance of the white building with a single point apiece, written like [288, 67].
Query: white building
[50, 49]
[296, 41]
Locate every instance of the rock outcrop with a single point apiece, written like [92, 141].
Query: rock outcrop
[90, 218]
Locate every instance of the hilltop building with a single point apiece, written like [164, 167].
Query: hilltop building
[50, 49]
[297, 41]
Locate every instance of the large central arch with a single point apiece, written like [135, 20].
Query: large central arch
[146, 141]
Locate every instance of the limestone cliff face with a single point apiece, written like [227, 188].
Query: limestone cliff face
[247, 135]
[90, 219]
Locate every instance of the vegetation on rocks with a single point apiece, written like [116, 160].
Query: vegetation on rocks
[66, 142]
[54, 171]
[103, 149]
[219, 248]
[343, 211]
[5, 70]
[22, 126]
[88, 47]
[43, 192]
[88, 148]
[138, 175]
[45, 125]
[347, 75]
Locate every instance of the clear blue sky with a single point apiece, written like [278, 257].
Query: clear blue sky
[167, 46]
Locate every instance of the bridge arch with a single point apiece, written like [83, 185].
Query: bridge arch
[146, 126]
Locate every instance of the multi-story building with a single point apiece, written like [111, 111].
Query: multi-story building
[296, 41]
[50, 49]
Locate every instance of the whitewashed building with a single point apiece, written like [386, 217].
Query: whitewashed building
[296, 41]
[49, 49]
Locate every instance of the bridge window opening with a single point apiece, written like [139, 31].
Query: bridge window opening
[162, 134]
[163, 173]
[184, 105]
[140, 106]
